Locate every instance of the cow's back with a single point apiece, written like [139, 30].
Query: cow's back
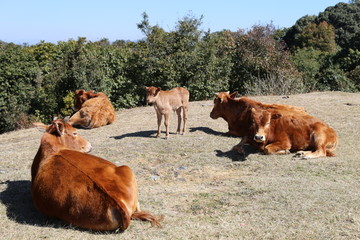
[95, 112]
[297, 127]
[174, 98]
[76, 187]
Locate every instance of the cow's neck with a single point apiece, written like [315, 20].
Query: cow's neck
[49, 145]
[239, 110]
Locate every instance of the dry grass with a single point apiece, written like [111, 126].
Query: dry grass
[204, 190]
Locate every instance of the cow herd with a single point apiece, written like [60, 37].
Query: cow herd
[93, 193]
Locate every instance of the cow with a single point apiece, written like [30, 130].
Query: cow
[79, 188]
[237, 113]
[304, 134]
[93, 109]
[176, 99]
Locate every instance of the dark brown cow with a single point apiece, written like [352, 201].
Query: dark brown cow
[304, 134]
[167, 101]
[237, 113]
[93, 110]
[79, 188]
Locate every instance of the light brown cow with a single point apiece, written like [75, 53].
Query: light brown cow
[93, 110]
[167, 101]
[237, 113]
[304, 134]
[79, 188]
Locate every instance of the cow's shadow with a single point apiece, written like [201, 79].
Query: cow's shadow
[209, 131]
[19, 205]
[235, 156]
[20, 208]
[148, 134]
[232, 154]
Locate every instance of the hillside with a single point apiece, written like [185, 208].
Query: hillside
[204, 190]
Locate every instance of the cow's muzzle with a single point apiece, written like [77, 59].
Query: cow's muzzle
[259, 138]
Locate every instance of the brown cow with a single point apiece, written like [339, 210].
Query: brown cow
[166, 101]
[301, 133]
[93, 110]
[237, 113]
[79, 188]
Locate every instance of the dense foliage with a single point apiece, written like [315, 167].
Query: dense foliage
[317, 53]
[326, 48]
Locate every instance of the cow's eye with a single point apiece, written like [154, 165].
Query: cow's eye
[75, 133]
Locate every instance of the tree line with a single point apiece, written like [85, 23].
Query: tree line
[317, 53]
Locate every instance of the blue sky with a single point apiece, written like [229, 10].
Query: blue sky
[30, 21]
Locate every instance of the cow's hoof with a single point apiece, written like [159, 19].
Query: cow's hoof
[301, 155]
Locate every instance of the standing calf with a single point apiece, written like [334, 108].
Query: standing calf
[166, 101]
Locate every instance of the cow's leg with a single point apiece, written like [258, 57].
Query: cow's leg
[159, 118]
[240, 146]
[166, 122]
[138, 207]
[185, 117]
[178, 112]
[277, 148]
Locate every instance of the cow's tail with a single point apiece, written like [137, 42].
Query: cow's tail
[145, 216]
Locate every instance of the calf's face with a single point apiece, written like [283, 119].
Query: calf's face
[152, 94]
[261, 122]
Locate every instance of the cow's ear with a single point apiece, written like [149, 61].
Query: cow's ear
[233, 95]
[60, 127]
[79, 92]
[66, 119]
[40, 126]
[157, 90]
[92, 94]
[276, 116]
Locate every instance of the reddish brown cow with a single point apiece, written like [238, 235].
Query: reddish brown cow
[79, 188]
[167, 101]
[301, 133]
[93, 110]
[237, 113]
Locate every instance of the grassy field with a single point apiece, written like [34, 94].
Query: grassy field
[205, 190]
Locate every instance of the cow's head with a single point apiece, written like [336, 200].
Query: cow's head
[152, 93]
[261, 122]
[82, 96]
[220, 101]
[66, 136]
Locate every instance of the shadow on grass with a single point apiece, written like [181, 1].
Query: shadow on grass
[209, 131]
[20, 208]
[136, 134]
[19, 205]
[235, 156]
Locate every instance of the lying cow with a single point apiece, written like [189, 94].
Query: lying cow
[93, 110]
[301, 133]
[237, 113]
[79, 188]
[167, 101]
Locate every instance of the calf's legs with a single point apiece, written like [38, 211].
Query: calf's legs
[159, 118]
[185, 117]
